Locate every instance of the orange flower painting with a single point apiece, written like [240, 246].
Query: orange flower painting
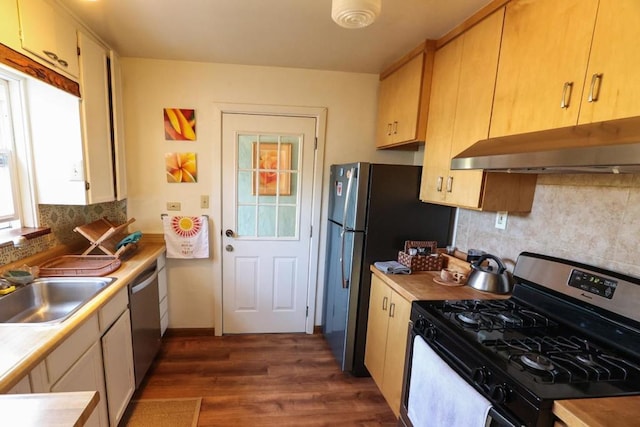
[268, 169]
[179, 124]
[181, 167]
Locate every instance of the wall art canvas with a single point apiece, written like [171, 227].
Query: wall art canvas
[179, 124]
[181, 167]
[266, 166]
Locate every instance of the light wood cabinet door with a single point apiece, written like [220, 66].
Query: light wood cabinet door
[477, 73]
[401, 104]
[459, 116]
[614, 64]
[545, 48]
[442, 110]
[387, 329]
[399, 314]
[377, 324]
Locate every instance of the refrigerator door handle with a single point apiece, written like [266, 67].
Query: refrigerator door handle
[345, 280]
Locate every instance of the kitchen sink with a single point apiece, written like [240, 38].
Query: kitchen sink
[50, 300]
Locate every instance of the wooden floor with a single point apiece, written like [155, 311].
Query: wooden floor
[264, 380]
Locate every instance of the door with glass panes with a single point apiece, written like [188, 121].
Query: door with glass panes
[266, 220]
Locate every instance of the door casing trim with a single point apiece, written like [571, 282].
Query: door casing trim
[320, 114]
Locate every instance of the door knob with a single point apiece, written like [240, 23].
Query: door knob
[229, 233]
[229, 248]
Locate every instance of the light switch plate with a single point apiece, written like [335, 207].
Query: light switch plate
[173, 206]
[204, 201]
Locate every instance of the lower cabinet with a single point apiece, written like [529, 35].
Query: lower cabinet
[98, 356]
[387, 330]
[117, 354]
[87, 375]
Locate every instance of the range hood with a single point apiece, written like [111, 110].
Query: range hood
[603, 147]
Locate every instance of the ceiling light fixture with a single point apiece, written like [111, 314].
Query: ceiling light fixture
[355, 13]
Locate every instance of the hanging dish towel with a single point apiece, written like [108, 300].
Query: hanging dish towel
[438, 396]
[186, 236]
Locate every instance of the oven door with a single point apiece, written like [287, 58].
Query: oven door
[411, 417]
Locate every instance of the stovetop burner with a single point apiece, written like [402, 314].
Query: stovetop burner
[537, 361]
[492, 315]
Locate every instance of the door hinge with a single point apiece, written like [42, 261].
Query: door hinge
[315, 146]
[78, 50]
[307, 312]
[87, 186]
[311, 231]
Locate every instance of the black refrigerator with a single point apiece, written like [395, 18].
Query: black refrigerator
[373, 209]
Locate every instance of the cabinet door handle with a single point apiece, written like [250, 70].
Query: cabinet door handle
[50, 54]
[594, 92]
[385, 301]
[439, 184]
[389, 125]
[449, 184]
[566, 94]
[395, 128]
[63, 63]
[392, 310]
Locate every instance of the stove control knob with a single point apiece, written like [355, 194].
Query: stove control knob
[500, 393]
[430, 333]
[480, 375]
[420, 324]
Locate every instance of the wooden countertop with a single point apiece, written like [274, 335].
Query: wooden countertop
[601, 412]
[46, 409]
[24, 346]
[597, 412]
[420, 286]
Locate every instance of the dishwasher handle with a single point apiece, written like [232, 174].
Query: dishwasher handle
[144, 280]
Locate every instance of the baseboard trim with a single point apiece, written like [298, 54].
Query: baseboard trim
[192, 332]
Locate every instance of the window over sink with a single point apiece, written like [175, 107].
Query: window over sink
[17, 204]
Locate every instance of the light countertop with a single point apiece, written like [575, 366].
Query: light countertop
[24, 346]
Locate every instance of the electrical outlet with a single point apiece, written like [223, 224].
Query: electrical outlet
[501, 220]
[173, 206]
[204, 201]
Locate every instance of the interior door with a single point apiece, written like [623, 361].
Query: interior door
[267, 199]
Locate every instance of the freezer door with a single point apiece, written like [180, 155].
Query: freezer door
[344, 251]
[348, 197]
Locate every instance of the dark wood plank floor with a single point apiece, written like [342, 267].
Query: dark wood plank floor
[264, 380]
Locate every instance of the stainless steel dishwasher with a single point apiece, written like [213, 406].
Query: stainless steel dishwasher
[145, 320]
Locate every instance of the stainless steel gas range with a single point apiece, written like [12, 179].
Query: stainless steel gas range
[568, 331]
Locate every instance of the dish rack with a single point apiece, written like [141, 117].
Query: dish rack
[103, 235]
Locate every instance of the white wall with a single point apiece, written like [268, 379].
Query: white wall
[151, 85]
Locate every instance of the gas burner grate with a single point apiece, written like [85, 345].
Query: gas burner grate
[490, 315]
[564, 360]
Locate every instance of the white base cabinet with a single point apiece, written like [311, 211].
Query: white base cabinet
[117, 354]
[87, 375]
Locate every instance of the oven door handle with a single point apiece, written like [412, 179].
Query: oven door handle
[495, 418]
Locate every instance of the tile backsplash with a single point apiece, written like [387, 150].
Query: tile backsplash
[593, 219]
[62, 219]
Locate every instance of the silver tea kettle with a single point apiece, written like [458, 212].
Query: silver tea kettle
[484, 278]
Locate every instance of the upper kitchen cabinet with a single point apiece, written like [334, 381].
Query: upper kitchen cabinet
[403, 98]
[117, 124]
[49, 35]
[612, 85]
[72, 138]
[544, 55]
[459, 115]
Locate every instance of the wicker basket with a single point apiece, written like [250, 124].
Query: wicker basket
[421, 262]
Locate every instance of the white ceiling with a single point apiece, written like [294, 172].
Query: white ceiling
[285, 33]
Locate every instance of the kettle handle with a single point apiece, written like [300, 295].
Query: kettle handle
[501, 266]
